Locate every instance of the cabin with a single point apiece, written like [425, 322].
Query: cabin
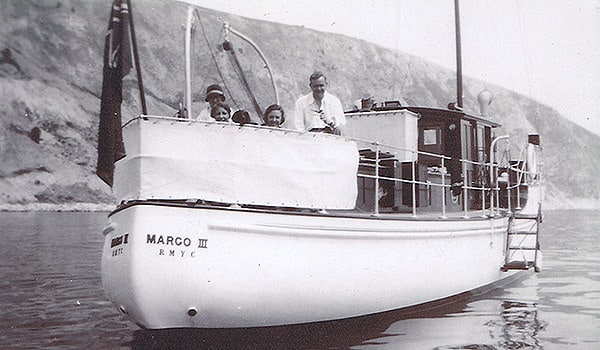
[441, 149]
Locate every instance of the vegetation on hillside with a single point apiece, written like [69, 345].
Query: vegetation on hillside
[51, 75]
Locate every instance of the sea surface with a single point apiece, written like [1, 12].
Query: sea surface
[51, 297]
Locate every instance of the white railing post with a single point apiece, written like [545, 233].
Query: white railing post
[465, 190]
[376, 213]
[519, 179]
[492, 172]
[497, 188]
[481, 165]
[491, 189]
[414, 190]
[443, 172]
[508, 191]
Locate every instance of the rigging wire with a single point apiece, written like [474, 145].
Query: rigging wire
[237, 68]
[240, 73]
[525, 45]
[215, 60]
[228, 29]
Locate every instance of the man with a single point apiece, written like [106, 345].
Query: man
[214, 95]
[319, 111]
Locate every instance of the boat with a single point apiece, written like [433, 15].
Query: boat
[411, 205]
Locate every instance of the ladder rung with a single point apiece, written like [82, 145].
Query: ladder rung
[522, 248]
[517, 265]
[526, 216]
[522, 233]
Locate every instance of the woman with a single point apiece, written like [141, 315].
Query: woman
[274, 116]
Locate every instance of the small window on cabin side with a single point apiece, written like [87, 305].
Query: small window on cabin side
[430, 137]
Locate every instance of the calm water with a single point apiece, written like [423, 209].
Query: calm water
[51, 297]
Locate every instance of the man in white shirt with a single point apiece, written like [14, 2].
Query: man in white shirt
[319, 111]
[214, 94]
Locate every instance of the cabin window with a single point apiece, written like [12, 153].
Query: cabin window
[430, 141]
[431, 137]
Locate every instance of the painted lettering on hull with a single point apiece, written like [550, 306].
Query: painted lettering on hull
[176, 246]
[177, 253]
[116, 244]
[168, 240]
[116, 241]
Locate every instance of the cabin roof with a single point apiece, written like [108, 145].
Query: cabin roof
[451, 113]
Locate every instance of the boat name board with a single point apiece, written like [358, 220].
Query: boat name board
[115, 242]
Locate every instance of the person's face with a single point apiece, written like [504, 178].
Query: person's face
[214, 98]
[318, 87]
[274, 118]
[220, 114]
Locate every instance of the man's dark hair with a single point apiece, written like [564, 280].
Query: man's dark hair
[316, 75]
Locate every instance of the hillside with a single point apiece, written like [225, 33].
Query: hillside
[50, 81]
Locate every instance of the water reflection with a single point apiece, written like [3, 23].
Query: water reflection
[494, 322]
[361, 332]
[484, 321]
[520, 326]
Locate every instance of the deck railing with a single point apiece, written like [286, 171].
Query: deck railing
[487, 187]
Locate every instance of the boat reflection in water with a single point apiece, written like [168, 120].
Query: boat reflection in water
[469, 321]
[521, 326]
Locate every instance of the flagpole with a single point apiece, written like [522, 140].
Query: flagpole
[137, 61]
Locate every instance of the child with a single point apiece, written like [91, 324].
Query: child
[214, 95]
[274, 116]
[220, 112]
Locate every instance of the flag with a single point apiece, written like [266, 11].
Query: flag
[117, 64]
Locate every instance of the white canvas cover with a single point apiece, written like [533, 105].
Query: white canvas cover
[167, 159]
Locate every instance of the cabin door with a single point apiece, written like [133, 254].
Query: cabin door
[466, 138]
[466, 132]
[482, 142]
[481, 156]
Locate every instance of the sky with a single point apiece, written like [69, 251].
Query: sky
[546, 49]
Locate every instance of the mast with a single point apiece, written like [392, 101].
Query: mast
[459, 92]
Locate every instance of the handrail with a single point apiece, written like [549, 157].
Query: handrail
[228, 28]
[377, 177]
[494, 172]
[489, 192]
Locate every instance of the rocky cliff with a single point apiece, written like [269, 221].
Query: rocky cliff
[51, 75]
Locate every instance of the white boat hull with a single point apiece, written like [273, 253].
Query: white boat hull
[168, 267]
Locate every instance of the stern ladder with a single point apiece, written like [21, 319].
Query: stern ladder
[522, 244]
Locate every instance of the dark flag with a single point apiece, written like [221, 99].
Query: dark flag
[117, 64]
